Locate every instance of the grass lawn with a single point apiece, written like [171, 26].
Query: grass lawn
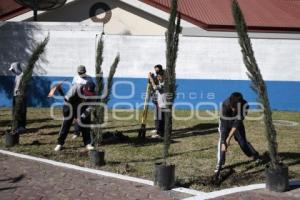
[193, 148]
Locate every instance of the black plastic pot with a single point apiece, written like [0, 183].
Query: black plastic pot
[277, 180]
[97, 158]
[11, 139]
[164, 176]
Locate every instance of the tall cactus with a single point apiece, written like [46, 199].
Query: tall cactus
[98, 116]
[98, 67]
[109, 82]
[258, 83]
[172, 42]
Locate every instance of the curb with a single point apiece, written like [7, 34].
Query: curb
[198, 195]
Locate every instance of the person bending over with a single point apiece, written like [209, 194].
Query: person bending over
[233, 112]
[73, 100]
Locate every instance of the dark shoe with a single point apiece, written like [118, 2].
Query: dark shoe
[21, 130]
[257, 159]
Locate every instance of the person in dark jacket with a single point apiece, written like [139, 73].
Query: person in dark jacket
[81, 79]
[76, 95]
[233, 112]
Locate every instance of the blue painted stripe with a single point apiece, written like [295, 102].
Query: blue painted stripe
[284, 95]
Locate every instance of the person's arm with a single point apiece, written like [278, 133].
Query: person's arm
[17, 84]
[60, 91]
[74, 80]
[160, 87]
[71, 93]
[230, 135]
[87, 112]
[226, 115]
[89, 109]
[241, 114]
[151, 80]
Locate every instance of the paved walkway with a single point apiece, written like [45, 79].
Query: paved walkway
[26, 179]
[262, 195]
[22, 179]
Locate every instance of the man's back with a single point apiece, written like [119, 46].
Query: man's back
[81, 80]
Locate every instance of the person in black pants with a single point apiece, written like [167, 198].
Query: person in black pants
[81, 78]
[154, 81]
[161, 99]
[234, 110]
[75, 96]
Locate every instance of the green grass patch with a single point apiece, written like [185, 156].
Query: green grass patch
[193, 148]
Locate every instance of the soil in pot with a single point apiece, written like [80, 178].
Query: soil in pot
[164, 176]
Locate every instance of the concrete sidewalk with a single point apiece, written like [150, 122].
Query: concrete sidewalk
[26, 179]
[262, 195]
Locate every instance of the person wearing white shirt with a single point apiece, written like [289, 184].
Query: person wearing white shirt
[81, 78]
[161, 98]
[17, 69]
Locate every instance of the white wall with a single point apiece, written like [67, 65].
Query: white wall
[206, 58]
[199, 57]
[70, 45]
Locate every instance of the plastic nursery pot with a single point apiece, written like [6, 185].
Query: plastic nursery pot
[277, 180]
[97, 157]
[164, 176]
[11, 139]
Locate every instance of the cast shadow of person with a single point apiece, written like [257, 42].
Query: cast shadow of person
[196, 130]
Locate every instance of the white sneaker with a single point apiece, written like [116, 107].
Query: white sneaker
[217, 169]
[74, 136]
[156, 136]
[58, 147]
[89, 147]
[153, 131]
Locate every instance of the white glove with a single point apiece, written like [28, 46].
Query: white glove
[83, 116]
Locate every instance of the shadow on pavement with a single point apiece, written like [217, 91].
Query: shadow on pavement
[13, 180]
[8, 188]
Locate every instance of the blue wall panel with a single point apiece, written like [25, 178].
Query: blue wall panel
[284, 95]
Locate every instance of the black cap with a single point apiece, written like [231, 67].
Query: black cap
[159, 67]
[81, 69]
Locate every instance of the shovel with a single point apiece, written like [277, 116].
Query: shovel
[142, 131]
